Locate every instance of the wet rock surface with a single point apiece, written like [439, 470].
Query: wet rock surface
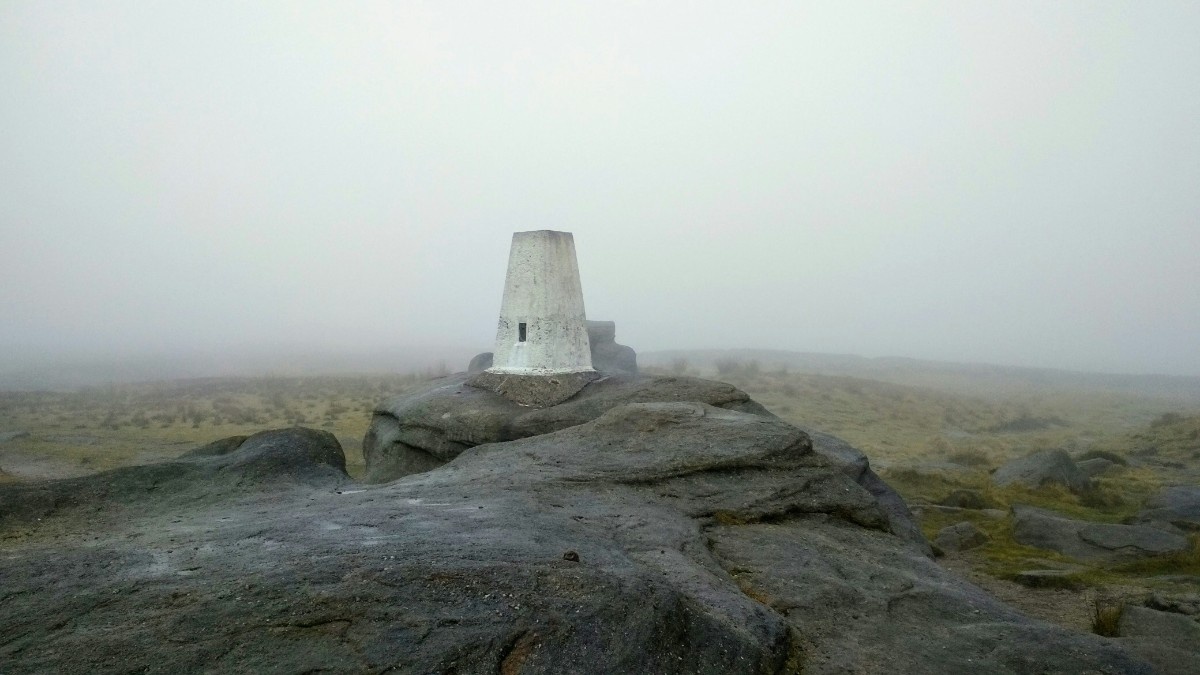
[419, 431]
[1169, 640]
[657, 537]
[1093, 542]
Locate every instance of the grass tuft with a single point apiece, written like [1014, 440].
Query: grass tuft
[1106, 618]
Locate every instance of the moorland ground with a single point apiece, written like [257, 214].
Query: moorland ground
[928, 430]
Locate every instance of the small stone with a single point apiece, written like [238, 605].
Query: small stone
[960, 537]
[571, 556]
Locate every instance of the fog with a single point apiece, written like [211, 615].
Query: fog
[1013, 183]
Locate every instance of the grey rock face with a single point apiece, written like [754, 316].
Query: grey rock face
[1042, 468]
[1188, 604]
[221, 447]
[1177, 630]
[657, 538]
[421, 431]
[416, 432]
[1170, 641]
[960, 537]
[1095, 542]
[1178, 506]
[266, 461]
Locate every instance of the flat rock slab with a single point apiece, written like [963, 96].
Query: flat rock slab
[658, 538]
[1092, 542]
[1170, 641]
[1051, 578]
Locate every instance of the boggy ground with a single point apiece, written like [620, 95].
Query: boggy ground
[657, 538]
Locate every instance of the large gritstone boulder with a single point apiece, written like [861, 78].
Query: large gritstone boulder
[1047, 467]
[418, 431]
[665, 538]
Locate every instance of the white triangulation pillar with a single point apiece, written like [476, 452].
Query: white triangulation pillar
[542, 329]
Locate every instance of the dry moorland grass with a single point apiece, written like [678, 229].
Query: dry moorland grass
[102, 428]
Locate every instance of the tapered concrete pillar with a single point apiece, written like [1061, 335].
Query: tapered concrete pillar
[542, 328]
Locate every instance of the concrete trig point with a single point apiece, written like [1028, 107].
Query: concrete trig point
[542, 329]
[542, 355]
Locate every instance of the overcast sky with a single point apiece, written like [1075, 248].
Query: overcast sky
[1005, 182]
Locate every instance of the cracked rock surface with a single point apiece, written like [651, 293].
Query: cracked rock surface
[659, 537]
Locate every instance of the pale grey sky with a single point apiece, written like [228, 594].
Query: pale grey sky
[1008, 182]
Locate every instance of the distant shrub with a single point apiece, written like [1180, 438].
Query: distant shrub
[1101, 497]
[970, 458]
[727, 367]
[1166, 420]
[1027, 423]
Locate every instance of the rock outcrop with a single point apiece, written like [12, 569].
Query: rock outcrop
[1046, 467]
[960, 537]
[607, 355]
[657, 537]
[1092, 542]
[418, 431]
[1177, 506]
[1169, 640]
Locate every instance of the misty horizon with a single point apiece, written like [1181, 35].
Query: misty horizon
[1011, 185]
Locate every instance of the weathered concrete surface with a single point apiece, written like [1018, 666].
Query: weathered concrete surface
[608, 357]
[663, 538]
[1095, 542]
[542, 292]
[535, 391]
